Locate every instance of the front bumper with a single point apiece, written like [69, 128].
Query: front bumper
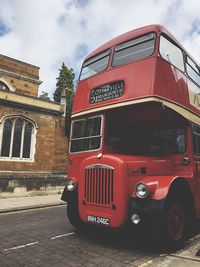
[142, 207]
[146, 207]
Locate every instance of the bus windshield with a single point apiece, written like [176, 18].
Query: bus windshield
[150, 139]
[86, 134]
[95, 65]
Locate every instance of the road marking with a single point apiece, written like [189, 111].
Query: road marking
[34, 243]
[22, 246]
[59, 236]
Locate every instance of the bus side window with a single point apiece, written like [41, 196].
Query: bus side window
[192, 70]
[196, 139]
[171, 53]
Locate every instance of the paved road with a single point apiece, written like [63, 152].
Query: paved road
[44, 237]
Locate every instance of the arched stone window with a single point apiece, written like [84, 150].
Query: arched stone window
[17, 138]
[4, 86]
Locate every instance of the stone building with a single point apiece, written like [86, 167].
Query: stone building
[32, 142]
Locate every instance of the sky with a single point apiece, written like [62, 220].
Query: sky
[47, 33]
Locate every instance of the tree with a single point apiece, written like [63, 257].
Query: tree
[65, 83]
[65, 80]
[44, 96]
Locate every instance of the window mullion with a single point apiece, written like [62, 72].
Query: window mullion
[31, 144]
[22, 140]
[1, 137]
[12, 138]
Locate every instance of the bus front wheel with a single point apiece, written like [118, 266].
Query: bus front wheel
[73, 215]
[170, 228]
[175, 223]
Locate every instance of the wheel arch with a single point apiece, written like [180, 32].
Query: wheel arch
[181, 189]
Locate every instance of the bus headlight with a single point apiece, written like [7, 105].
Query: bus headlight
[71, 184]
[141, 190]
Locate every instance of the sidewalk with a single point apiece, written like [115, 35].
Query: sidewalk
[24, 203]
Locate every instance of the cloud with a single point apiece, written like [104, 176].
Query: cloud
[49, 32]
[3, 29]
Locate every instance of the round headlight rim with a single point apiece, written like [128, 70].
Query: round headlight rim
[74, 183]
[146, 187]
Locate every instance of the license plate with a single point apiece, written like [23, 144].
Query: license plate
[98, 220]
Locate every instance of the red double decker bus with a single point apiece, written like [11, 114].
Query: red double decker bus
[134, 152]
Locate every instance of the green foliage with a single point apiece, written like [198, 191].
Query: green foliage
[65, 80]
[65, 83]
[44, 96]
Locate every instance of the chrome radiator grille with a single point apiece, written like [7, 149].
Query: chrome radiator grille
[98, 184]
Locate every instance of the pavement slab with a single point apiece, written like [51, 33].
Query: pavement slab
[25, 203]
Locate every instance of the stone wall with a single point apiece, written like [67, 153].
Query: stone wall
[47, 173]
[31, 184]
[22, 77]
[51, 144]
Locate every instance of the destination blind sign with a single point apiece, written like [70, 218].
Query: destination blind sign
[106, 92]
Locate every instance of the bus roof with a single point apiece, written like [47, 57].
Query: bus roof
[129, 35]
[134, 33]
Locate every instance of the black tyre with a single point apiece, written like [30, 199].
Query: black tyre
[175, 224]
[168, 229]
[73, 215]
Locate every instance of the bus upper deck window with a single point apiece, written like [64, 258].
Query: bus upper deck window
[193, 70]
[95, 65]
[135, 49]
[171, 53]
